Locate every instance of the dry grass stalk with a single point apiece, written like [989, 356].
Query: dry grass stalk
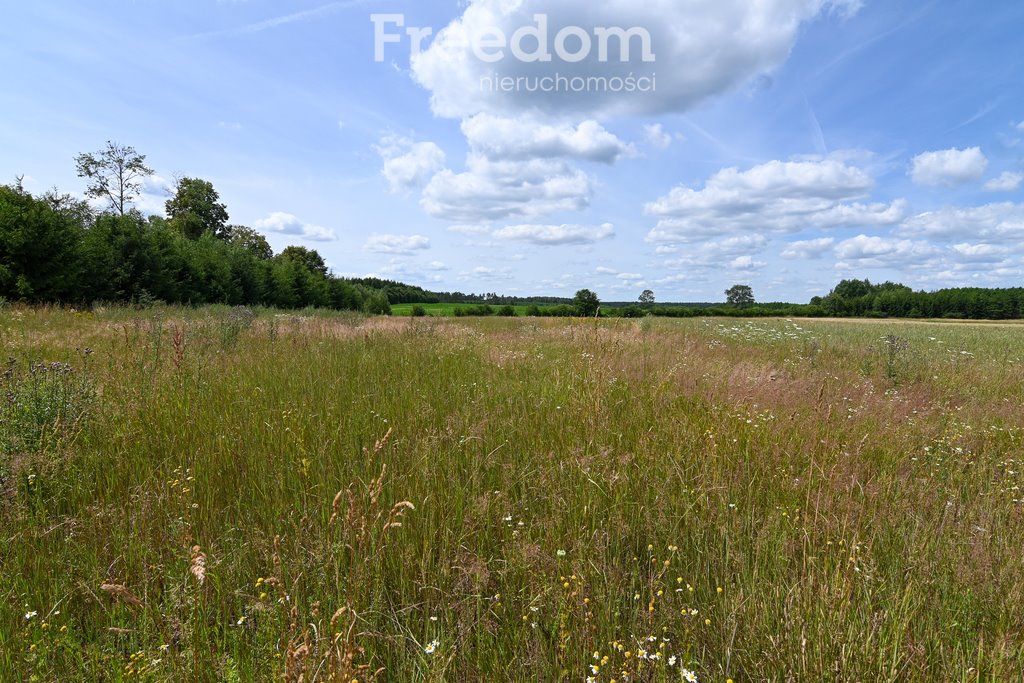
[198, 568]
[118, 592]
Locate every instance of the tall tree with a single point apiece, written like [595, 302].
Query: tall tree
[195, 209]
[646, 298]
[307, 258]
[114, 174]
[251, 241]
[740, 295]
[586, 303]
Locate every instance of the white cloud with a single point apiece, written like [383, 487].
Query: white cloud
[746, 263]
[1008, 181]
[496, 190]
[949, 167]
[717, 253]
[408, 164]
[1020, 126]
[549, 235]
[696, 49]
[656, 136]
[287, 224]
[808, 249]
[520, 139]
[774, 197]
[981, 253]
[604, 270]
[1003, 222]
[879, 252]
[396, 244]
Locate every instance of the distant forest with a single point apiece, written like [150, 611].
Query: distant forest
[55, 248]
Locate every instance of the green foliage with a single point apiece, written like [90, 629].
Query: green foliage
[307, 258]
[418, 311]
[250, 241]
[377, 303]
[646, 299]
[41, 405]
[114, 174]
[39, 248]
[739, 295]
[586, 303]
[196, 209]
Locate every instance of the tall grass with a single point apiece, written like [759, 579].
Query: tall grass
[269, 498]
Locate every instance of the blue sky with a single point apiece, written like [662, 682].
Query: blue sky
[786, 144]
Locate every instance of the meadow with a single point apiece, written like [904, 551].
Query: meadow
[221, 495]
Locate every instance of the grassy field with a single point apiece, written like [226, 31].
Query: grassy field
[446, 310]
[209, 495]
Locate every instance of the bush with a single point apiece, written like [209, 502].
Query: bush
[418, 311]
[41, 404]
[507, 311]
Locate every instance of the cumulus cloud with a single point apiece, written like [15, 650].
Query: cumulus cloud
[746, 263]
[551, 235]
[520, 168]
[949, 167]
[287, 224]
[695, 49]
[773, 197]
[396, 244]
[1008, 181]
[518, 138]
[808, 249]
[408, 164]
[496, 190]
[879, 252]
[997, 223]
[715, 253]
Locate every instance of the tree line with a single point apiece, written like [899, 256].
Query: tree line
[56, 248]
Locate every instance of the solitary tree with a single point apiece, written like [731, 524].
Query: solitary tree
[646, 298]
[586, 303]
[195, 208]
[740, 295]
[114, 174]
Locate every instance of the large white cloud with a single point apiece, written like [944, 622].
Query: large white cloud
[774, 197]
[949, 167]
[408, 164]
[287, 224]
[497, 190]
[693, 49]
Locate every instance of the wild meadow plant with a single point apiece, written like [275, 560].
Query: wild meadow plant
[257, 497]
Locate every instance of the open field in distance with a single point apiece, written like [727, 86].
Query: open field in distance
[208, 494]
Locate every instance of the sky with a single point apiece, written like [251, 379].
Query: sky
[536, 148]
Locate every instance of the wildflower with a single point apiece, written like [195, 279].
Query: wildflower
[431, 647]
[672, 660]
[164, 647]
[689, 676]
[31, 615]
[241, 620]
[594, 669]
